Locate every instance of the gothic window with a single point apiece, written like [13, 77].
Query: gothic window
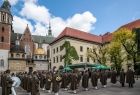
[2, 39]
[2, 29]
[1, 63]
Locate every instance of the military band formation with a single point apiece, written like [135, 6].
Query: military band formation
[54, 80]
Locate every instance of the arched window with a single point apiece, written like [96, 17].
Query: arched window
[3, 29]
[17, 55]
[3, 17]
[12, 55]
[23, 55]
[1, 63]
[2, 39]
[36, 57]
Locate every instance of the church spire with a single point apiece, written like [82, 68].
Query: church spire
[6, 5]
[49, 31]
[40, 43]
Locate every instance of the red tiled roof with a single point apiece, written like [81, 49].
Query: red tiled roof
[74, 33]
[106, 37]
[131, 25]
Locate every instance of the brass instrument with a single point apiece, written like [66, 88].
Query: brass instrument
[49, 78]
[58, 78]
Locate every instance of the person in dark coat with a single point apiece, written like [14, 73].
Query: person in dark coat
[74, 79]
[79, 74]
[48, 82]
[85, 80]
[122, 78]
[113, 77]
[25, 81]
[35, 84]
[42, 80]
[94, 79]
[64, 81]
[6, 83]
[69, 79]
[103, 78]
[130, 78]
[55, 82]
[29, 82]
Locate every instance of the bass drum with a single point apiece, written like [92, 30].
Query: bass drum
[16, 81]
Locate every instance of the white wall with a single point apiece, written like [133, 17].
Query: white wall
[4, 55]
[76, 44]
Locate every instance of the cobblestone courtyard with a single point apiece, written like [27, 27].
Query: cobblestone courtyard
[110, 90]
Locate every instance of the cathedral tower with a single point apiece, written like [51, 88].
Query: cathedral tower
[5, 33]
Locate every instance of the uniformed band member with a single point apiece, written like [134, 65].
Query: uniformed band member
[35, 84]
[48, 81]
[6, 83]
[103, 78]
[55, 82]
[113, 77]
[94, 79]
[31, 81]
[42, 80]
[130, 77]
[64, 83]
[85, 80]
[122, 78]
[74, 80]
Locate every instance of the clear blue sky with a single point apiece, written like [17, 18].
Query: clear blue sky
[110, 14]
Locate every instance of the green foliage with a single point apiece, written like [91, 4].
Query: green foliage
[98, 53]
[70, 53]
[116, 55]
[127, 39]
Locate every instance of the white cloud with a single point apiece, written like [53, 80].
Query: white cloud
[40, 29]
[20, 24]
[34, 1]
[35, 12]
[41, 17]
[82, 21]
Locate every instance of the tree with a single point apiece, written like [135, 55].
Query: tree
[116, 55]
[70, 53]
[127, 38]
[99, 54]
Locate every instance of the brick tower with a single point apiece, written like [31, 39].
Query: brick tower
[5, 33]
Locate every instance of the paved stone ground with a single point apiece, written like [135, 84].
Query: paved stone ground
[109, 90]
